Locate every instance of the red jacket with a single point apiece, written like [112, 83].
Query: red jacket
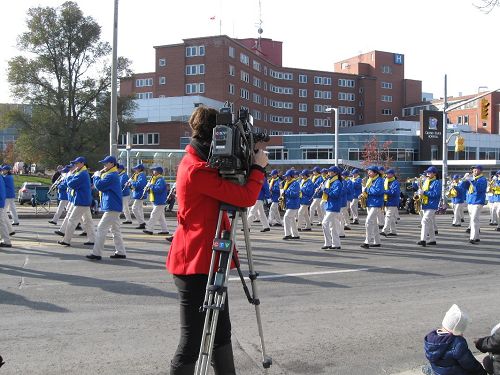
[200, 190]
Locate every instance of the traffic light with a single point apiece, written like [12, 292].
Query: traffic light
[485, 108]
[459, 144]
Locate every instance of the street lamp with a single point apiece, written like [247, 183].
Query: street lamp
[169, 156]
[336, 129]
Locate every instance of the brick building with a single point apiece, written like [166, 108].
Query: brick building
[249, 73]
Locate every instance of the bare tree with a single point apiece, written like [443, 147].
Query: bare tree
[486, 6]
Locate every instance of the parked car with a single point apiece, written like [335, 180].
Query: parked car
[26, 192]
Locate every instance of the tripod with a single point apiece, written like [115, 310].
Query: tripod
[215, 294]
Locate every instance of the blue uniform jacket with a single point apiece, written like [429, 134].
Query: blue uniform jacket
[317, 181]
[375, 193]
[461, 190]
[496, 187]
[123, 180]
[111, 191]
[350, 189]
[357, 187]
[139, 185]
[80, 183]
[10, 190]
[343, 194]
[159, 189]
[478, 195]
[274, 185]
[393, 194]
[292, 195]
[62, 190]
[264, 193]
[334, 191]
[434, 195]
[306, 192]
[450, 355]
[2, 193]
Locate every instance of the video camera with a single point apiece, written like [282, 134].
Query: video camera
[233, 141]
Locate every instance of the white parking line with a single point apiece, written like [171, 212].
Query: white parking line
[310, 273]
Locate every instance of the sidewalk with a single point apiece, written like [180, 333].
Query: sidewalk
[418, 371]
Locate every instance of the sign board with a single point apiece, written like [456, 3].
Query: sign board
[431, 135]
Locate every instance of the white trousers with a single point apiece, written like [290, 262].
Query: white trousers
[390, 219]
[493, 218]
[4, 230]
[138, 210]
[60, 209]
[303, 217]
[110, 220]
[64, 225]
[428, 226]
[8, 223]
[380, 216]
[126, 207]
[80, 213]
[316, 208]
[257, 210]
[10, 205]
[496, 212]
[345, 212]
[290, 223]
[274, 214]
[474, 214]
[371, 225]
[354, 209]
[157, 216]
[458, 213]
[331, 225]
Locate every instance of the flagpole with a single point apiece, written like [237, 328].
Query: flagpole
[220, 26]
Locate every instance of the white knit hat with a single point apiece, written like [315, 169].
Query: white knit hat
[495, 328]
[455, 320]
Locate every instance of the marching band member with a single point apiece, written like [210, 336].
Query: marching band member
[349, 191]
[381, 216]
[62, 195]
[79, 182]
[291, 193]
[457, 193]
[357, 190]
[138, 182]
[476, 197]
[392, 191]
[4, 230]
[257, 210]
[71, 201]
[495, 186]
[107, 182]
[125, 193]
[317, 179]
[274, 187]
[430, 195]
[10, 194]
[491, 203]
[306, 197]
[158, 196]
[332, 190]
[374, 191]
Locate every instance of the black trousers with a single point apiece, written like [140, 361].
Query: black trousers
[191, 290]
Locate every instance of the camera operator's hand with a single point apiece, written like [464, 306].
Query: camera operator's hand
[261, 159]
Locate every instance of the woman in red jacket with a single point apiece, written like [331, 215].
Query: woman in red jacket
[200, 191]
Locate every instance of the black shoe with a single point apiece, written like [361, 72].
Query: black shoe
[472, 242]
[59, 233]
[497, 229]
[432, 243]
[277, 225]
[347, 228]
[436, 232]
[147, 232]
[365, 246]
[163, 233]
[335, 248]
[342, 236]
[306, 230]
[15, 224]
[299, 229]
[319, 225]
[380, 226]
[256, 221]
[295, 238]
[287, 237]
[456, 225]
[422, 243]
[325, 247]
[462, 220]
[118, 256]
[376, 245]
[243, 229]
[141, 226]
[392, 235]
[170, 239]
[12, 233]
[83, 234]
[89, 243]
[78, 227]
[3, 244]
[477, 240]
[52, 222]
[63, 243]
[126, 222]
[355, 222]
[492, 224]
[93, 257]
[265, 230]
[383, 234]
[467, 230]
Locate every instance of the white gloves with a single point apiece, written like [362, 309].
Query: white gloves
[420, 192]
[97, 174]
[269, 201]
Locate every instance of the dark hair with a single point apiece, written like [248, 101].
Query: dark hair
[202, 123]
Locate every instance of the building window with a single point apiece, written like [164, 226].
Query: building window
[466, 119]
[321, 122]
[346, 123]
[302, 93]
[257, 115]
[256, 98]
[322, 80]
[277, 153]
[232, 71]
[354, 154]
[231, 89]
[435, 152]
[195, 88]
[257, 82]
[317, 153]
[348, 96]
[122, 139]
[244, 59]
[386, 85]
[387, 98]
[153, 138]
[192, 51]
[162, 80]
[387, 111]
[144, 95]
[386, 69]
[192, 70]
[256, 65]
[346, 83]
[162, 62]
[137, 139]
[302, 121]
[346, 110]
[245, 77]
[302, 78]
[144, 82]
[231, 52]
[302, 107]
[244, 94]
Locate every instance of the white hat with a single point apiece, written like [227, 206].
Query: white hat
[495, 328]
[455, 320]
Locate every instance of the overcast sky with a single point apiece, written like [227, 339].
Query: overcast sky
[436, 36]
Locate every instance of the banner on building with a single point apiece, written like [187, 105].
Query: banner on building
[431, 135]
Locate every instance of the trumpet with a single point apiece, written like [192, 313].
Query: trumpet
[364, 195]
[281, 202]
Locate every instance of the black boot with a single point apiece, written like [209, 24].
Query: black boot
[182, 370]
[223, 361]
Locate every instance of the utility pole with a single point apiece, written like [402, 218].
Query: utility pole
[113, 124]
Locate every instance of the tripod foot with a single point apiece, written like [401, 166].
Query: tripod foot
[267, 362]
